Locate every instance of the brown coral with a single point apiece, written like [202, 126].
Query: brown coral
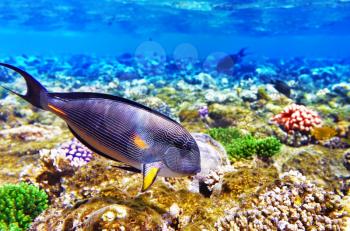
[323, 133]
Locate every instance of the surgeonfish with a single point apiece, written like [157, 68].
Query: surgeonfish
[120, 129]
[228, 61]
[282, 87]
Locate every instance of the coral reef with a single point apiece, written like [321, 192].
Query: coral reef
[56, 164]
[296, 122]
[267, 147]
[297, 118]
[225, 135]
[239, 161]
[243, 146]
[335, 143]
[158, 105]
[294, 203]
[323, 133]
[101, 214]
[248, 146]
[203, 112]
[76, 152]
[346, 160]
[19, 205]
[30, 133]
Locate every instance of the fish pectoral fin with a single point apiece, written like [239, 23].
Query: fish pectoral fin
[150, 172]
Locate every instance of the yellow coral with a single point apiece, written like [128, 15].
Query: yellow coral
[323, 133]
[343, 128]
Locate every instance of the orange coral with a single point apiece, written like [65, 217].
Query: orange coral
[323, 133]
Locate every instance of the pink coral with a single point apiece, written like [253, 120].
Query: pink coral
[297, 118]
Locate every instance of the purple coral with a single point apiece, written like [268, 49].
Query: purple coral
[346, 160]
[335, 143]
[203, 112]
[76, 152]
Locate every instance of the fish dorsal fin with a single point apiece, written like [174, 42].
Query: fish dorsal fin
[150, 172]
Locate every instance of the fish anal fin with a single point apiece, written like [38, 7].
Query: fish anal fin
[150, 172]
[128, 168]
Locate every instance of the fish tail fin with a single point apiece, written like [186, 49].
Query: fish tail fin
[36, 94]
[242, 52]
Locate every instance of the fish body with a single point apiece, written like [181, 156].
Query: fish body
[228, 61]
[282, 87]
[121, 130]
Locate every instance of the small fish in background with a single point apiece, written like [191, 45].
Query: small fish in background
[120, 129]
[282, 87]
[126, 59]
[227, 62]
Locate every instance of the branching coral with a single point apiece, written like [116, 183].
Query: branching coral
[225, 135]
[19, 205]
[240, 146]
[248, 145]
[268, 147]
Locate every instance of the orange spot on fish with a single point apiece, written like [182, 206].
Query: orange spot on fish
[57, 110]
[139, 142]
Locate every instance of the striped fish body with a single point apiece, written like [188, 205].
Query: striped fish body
[121, 130]
[128, 132]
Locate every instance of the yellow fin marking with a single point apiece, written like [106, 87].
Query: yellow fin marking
[139, 142]
[149, 178]
[57, 110]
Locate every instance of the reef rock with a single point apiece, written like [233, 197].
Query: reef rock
[346, 160]
[158, 105]
[293, 204]
[213, 154]
[100, 214]
[229, 115]
[204, 80]
[31, 133]
[317, 163]
[55, 165]
[214, 163]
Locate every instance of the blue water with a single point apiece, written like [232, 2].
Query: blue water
[106, 27]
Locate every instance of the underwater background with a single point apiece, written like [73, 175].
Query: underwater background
[263, 87]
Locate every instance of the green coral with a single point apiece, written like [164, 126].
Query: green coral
[268, 147]
[11, 227]
[19, 205]
[225, 135]
[262, 94]
[240, 146]
[243, 147]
